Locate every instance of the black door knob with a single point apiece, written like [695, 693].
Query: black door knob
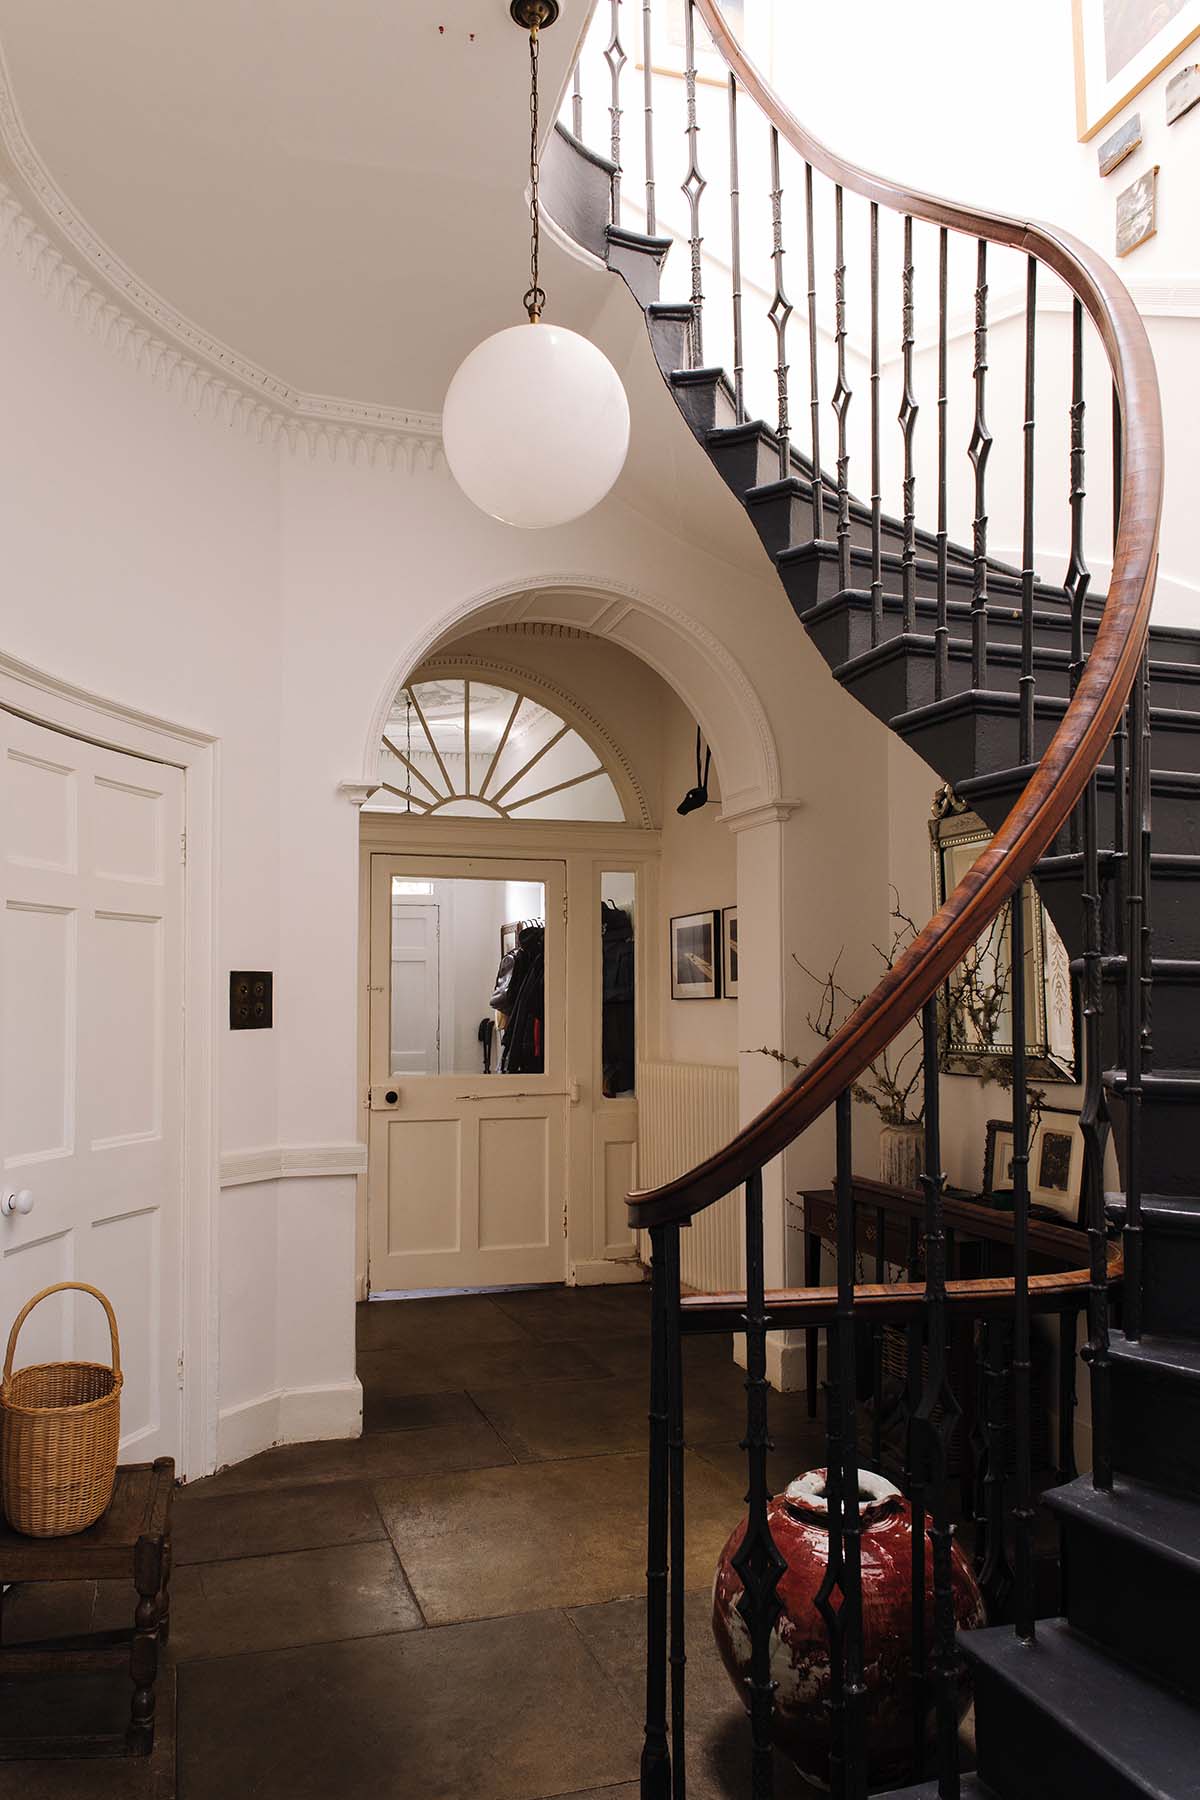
[391, 1096]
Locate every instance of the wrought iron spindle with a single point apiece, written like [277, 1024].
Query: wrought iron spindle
[577, 104]
[941, 646]
[1068, 1332]
[876, 496]
[615, 57]
[877, 1344]
[814, 402]
[735, 239]
[1021, 1360]
[694, 185]
[1027, 679]
[780, 313]
[937, 1415]
[656, 1757]
[1121, 735]
[1137, 868]
[908, 419]
[678, 1653]
[854, 1691]
[758, 1560]
[978, 451]
[917, 1472]
[993, 1567]
[1079, 577]
[841, 394]
[648, 111]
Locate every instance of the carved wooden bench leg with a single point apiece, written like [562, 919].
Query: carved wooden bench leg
[148, 1578]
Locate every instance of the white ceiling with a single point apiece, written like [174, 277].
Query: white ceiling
[332, 188]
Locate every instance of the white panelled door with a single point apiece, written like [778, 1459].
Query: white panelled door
[466, 1169]
[91, 1076]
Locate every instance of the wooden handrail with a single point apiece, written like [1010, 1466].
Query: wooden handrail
[1090, 720]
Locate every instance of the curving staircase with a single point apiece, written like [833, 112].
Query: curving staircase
[1064, 719]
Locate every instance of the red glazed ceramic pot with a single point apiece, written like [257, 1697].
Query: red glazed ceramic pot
[800, 1643]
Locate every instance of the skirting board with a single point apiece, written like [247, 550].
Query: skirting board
[787, 1369]
[599, 1272]
[289, 1416]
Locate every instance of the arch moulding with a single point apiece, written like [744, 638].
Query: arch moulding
[708, 679]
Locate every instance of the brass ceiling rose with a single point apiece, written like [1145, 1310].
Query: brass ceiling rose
[534, 15]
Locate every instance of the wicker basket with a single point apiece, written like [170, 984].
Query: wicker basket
[61, 1427]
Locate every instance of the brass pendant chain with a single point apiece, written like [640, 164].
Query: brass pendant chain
[535, 298]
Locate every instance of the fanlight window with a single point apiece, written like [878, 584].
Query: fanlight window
[473, 750]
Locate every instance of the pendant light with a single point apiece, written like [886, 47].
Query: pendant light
[535, 424]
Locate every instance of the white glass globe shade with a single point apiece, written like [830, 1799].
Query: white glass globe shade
[536, 425]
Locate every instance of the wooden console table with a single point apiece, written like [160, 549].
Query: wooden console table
[131, 1542]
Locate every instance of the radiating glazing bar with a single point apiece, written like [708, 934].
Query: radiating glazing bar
[615, 57]
[941, 650]
[648, 112]
[655, 1780]
[758, 1560]
[735, 236]
[1021, 1359]
[694, 184]
[978, 451]
[780, 313]
[841, 394]
[678, 1588]
[577, 105]
[814, 400]
[908, 419]
[1027, 679]
[876, 495]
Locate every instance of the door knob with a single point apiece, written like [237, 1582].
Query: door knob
[391, 1096]
[18, 1201]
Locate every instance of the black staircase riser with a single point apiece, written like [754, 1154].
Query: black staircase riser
[1042, 1731]
[1175, 984]
[1156, 1415]
[705, 398]
[809, 572]
[639, 260]
[1170, 1129]
[1174, 901]
[1174, 797]
[972, 734]
[670, 333]
[781, 511]
[1125, 1590]
[1170, 1262]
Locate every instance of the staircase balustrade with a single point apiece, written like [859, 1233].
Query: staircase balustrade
[908, 586]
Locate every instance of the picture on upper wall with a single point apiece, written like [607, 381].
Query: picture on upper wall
[729, 952]
[696, 956]
[1120, 46]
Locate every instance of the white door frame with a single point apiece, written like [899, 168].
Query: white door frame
[587, 848]
[61, 706]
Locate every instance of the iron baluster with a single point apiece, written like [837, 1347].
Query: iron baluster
[615, 57]
[1136, 868]
[941, 649]
[1025, 752]
[994, 1568]
[735, 238]
[758, 1560]
[1078, 578]
[937, 1416]
[833, 1581]
[1068, 1331]
[908, 419]
[694, 184]
[1121, 735]
[841, 395]
[877, 1345]
[1021, 1360]
[576, 104]
[656, 1757]
[678, 1654]
[978, 451]
[780, 313]
[814, 403]
[648, 110]
[876, 496]
[854, 1691]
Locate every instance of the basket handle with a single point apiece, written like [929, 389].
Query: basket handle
[59, 1287]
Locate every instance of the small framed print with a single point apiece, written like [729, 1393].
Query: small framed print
[1055, 1164]
[729, 952]
[696, 956]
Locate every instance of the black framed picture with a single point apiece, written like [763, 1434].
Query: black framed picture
[729, 952]
[696, 956]
[1055, 1164]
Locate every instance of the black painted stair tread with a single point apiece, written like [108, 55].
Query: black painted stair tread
[1162, 1524]
[1060, 1718]
[970, 1788]
[1175, 1213]
[1158, 1357]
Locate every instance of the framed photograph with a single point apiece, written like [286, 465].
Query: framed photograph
[1055, 1164]
[1120, 45]
[729, 952]
[696, 956]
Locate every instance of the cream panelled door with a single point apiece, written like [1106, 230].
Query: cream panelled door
[466, 1169]
[91, 910]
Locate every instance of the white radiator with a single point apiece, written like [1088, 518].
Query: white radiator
[685, 1112]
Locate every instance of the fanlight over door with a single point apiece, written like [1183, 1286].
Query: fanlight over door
[474, 749]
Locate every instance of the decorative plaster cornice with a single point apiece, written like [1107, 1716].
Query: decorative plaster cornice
[43, 230]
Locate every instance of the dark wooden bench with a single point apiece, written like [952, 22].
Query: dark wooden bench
[132, 1542]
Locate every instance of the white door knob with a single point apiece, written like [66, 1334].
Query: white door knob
[19, 1202]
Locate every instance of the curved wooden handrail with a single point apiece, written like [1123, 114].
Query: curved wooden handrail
[1090, 720]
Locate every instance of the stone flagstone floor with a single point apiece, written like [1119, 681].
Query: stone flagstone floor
[451, 1607]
